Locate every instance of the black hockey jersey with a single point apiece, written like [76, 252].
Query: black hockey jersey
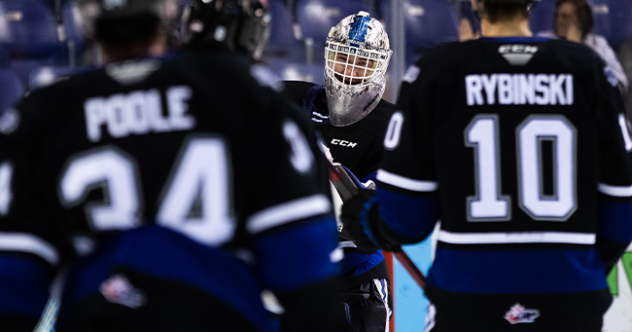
[359, 148]
[519, 146]
[173, 193]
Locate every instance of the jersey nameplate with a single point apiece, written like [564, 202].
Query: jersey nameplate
[138, 112]
[519, 89]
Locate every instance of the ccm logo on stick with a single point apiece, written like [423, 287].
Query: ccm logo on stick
[344, 143]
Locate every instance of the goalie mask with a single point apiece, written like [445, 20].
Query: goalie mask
[357, 56]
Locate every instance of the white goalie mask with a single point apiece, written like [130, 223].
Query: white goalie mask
[357, 55]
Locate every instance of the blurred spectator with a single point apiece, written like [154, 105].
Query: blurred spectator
[574, 22]
[466, 32]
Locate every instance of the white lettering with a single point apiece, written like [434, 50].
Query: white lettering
[557, 94]
[95, 117]
[489, 83]
[473, 89]
[570, 98]
[527, 91]
[519, 89]
[504, 89]
[541, 86]
[177, 97]
[138, 112]
[341, 142]
[114, 109]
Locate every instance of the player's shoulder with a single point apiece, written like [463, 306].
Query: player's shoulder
[575, 51]
[443, 60]
[377, 121]
[444, 53]
[54, 96]
[296, 91]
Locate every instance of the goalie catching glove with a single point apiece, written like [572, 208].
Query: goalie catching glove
[360, 216]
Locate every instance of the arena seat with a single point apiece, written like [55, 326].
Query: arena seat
[316, 17]
[282, 25]
[542, 16]
[313, 73]
[28, 34]
[73, 29]
[11, 89]
[613, 20]
[428, 23]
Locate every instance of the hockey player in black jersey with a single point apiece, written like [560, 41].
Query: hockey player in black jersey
[519, 146]
[352, 117]
[169, 200]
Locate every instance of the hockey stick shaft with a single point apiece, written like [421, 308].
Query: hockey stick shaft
[346, 187]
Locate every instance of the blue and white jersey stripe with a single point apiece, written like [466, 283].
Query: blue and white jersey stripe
[30, 244]
[615, 191]
[287, 212]
[403, 182]
[517, 237]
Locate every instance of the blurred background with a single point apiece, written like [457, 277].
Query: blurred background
[42, 41]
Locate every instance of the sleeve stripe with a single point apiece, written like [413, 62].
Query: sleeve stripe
[406, 183]
[288, 212]
[521, 237]
[337, 255]
[30, 244]
[615, 191]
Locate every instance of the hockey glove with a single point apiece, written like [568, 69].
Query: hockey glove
[360, 215]
[353, 210]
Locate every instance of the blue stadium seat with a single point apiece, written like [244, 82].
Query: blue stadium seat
[50, 4]
[28, 34]
[11, 89]
[73, 28]
[281, 27]
[302, 72]
[47, 75]
[428, 23]
[299, 71]
[316, 17]
[613, 20]
[542, 16]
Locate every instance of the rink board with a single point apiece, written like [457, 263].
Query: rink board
[411, 304]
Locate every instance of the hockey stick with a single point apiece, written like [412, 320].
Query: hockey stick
[347, 188]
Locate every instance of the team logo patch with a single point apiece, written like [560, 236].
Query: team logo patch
[520, 314]
[119, 290]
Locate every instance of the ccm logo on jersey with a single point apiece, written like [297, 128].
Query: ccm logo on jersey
[519, 89]
[138, 112]
[344, 143]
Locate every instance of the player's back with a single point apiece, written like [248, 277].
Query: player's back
[520, 133]
[152, 169]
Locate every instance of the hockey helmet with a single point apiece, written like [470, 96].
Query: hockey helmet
[357, 55]
[145, 15]
[239, 26]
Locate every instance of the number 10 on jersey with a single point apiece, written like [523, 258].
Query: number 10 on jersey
[489, 204]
